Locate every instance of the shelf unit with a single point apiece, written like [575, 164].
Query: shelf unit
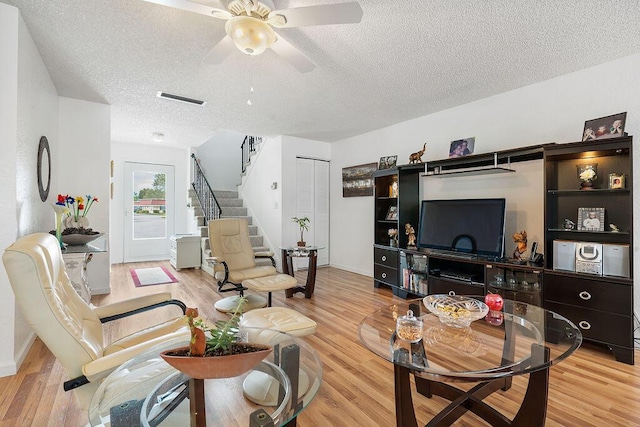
[601, 305]
[407, 208]
[483, 164]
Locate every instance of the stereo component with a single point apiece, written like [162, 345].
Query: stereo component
[564, 255]
[615, 260]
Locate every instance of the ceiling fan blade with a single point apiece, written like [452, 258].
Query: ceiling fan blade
[220, 51]
[193, 6]
[341, 13]
[292, 55]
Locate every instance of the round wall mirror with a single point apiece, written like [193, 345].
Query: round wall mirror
[44, 168]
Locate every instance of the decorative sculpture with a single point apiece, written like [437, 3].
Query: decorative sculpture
[417, 156]
[409, 231]
[520, 239]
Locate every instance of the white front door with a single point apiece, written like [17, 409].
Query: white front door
[149, 207]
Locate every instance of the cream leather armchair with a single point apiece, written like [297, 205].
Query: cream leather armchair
[69, 327]
[234, 261]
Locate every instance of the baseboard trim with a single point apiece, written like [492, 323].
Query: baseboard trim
[352, 270]
[9, 369]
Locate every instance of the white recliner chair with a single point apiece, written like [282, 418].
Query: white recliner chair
[68, 326]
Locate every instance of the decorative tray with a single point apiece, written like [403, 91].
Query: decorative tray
[79, 239]
[454, 310]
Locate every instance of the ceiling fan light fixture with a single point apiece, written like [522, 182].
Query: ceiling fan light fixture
[251, 35]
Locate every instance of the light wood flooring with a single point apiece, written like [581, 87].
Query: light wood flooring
[587, 389]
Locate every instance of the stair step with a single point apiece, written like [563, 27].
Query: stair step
[248, 218]
[230, 203]
[225, 194]
[256, 240]
[227, 212]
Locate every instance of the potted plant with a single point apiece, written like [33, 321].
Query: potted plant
[215, 352]
[303, 223]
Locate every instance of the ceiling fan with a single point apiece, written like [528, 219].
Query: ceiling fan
[249, 25]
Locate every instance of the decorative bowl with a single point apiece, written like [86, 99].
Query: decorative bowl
[79, 239]
[209, 367]
[454, 310]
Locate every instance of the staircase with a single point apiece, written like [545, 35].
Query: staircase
[231, 207]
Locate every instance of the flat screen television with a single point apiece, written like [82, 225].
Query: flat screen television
[474, 226]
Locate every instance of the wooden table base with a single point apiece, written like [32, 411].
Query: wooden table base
[532, 412]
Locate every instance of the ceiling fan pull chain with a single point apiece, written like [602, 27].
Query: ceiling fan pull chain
[250, 81]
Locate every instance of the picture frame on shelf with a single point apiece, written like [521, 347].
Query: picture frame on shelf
[462, 147]
[591, 219]
[387, 162]
[604, 127]
[616, 181]
[392, 213]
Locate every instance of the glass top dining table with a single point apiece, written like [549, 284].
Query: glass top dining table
[146, 391]
[519, 339]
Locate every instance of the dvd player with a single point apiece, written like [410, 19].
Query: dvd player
[456, 275]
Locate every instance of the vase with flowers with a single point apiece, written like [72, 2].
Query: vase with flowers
[587, 174]
[74, 228]
[393, 237]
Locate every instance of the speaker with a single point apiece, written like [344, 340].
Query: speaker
[564, 255]
[615, 260]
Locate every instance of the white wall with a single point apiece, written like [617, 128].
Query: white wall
[550, 111]
[85, 135]
[264, 204]
[154, 154]
[8, 210]
[221, 160]
[272, 209]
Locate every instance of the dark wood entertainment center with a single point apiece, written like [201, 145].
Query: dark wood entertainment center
[600, 305]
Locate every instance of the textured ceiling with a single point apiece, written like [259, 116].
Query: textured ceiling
[404, 60]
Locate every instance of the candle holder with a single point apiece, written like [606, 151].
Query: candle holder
[587, 174]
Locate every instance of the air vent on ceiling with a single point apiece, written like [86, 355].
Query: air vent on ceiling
[181, 98]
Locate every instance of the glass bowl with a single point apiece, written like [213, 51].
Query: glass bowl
[454, 310]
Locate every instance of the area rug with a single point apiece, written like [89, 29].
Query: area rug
[151, 276]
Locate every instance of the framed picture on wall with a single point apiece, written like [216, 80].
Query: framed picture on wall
[358, 180]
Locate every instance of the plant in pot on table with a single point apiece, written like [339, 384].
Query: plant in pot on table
[303, 224]
[215, 352]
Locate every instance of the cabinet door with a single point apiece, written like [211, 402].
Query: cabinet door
[597, 325]
[385, 274]
[585, 293]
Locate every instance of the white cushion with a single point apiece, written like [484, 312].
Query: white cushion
[263, 389]
[281, 319]
[278, 282]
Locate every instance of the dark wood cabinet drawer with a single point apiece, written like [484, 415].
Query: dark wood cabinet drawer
[597, 325]
[442, 286]
[385, 274]
[386, 257]
[585, 293]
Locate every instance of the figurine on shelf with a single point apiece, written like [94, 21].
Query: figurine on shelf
[520, 239]
[568, 224]
[409, 231]
[417, 156]
[614, 228]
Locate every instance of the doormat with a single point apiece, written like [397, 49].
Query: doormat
[151, 276]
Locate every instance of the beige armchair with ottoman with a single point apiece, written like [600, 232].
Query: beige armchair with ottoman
[235, 268]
